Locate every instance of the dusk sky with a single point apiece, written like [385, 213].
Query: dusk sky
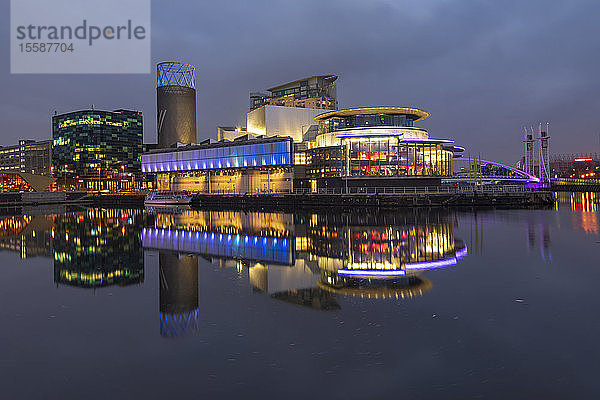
[484, 69]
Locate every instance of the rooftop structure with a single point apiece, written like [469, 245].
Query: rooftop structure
[318, 91]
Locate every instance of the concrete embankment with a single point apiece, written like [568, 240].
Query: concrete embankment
[384, 200]
[117, 200]
[10, 199]
[469, 199]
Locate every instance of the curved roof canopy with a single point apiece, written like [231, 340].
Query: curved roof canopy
[419, 114]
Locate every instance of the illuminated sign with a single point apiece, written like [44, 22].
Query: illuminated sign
[583, 159]
[69, 122]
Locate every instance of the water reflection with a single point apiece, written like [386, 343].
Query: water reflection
[179, 311]
[307, 259]
[97, 248]
[588, 205]
[28, 235]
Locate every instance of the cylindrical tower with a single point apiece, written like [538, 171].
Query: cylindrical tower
[175, 103]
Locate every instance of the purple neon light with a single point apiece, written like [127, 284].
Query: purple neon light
[396, 272]
[429, 141]
[432, 264]
[530, 178]
[461, 253]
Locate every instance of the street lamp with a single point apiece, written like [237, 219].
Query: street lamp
[65, 170]
[122, 176]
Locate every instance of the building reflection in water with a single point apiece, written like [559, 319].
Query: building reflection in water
[90, 247]
[28, 235]
[97, 247]
[308, 259]
[379, 255]
[179, 311]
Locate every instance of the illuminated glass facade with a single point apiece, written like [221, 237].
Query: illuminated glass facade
[254, 154]
[391, 156]
[97, 144]
[324, 162]
[364, 121]
[379, 142]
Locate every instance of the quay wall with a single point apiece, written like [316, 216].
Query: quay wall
[472, 199]
[308, 200]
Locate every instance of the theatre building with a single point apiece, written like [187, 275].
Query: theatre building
[363, 147]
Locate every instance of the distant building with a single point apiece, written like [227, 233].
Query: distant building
[580, 166]
[317, 91]
[95, 149]
[29, 156]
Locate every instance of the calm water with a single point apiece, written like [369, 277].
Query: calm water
[101, 304]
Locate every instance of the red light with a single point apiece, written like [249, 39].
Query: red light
[81, 217]
[583, 159]
[124, 215]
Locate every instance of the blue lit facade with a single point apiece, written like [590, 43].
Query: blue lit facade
[242, 166]
[210, 157]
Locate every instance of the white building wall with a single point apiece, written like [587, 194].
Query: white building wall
[282, 121]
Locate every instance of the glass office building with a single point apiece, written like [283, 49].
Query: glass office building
[94, 149]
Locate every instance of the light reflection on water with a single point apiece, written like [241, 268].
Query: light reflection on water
[401, 268]
[305, 258]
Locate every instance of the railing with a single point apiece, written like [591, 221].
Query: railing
[461, 189]
[575, 181]
[422, 190]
